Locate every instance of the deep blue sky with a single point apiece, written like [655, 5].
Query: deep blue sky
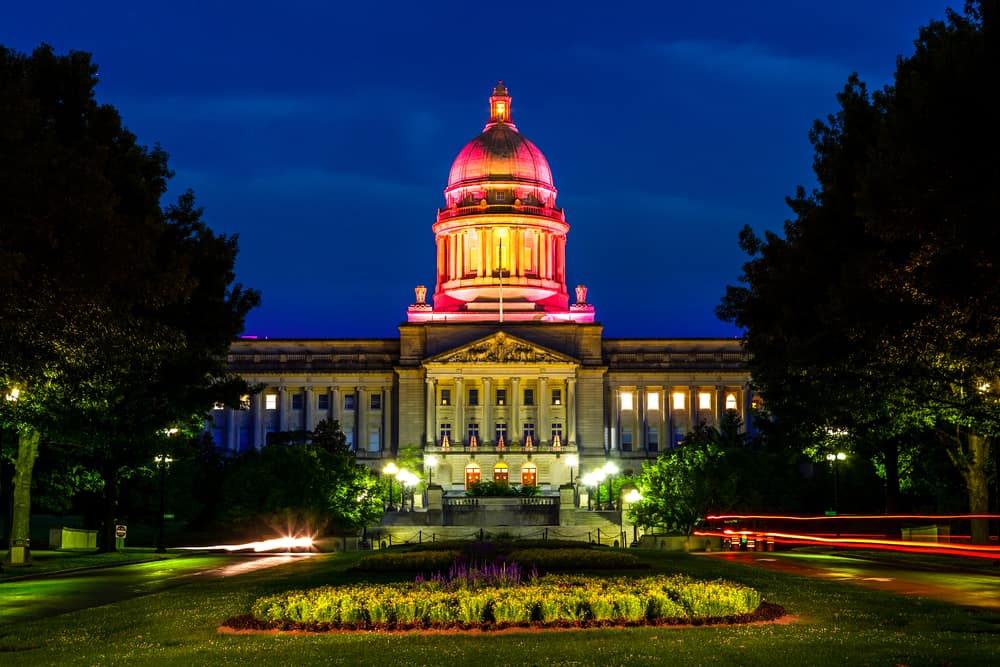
[322, 132]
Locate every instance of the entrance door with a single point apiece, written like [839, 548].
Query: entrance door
[472, 474]
[501, 474]
[529, 475]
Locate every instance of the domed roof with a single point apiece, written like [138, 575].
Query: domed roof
[500, 153]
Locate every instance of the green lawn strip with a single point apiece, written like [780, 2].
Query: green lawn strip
[46, 562]
[839, 624]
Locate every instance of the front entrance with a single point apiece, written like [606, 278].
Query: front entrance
[529, 475]
[472, 474]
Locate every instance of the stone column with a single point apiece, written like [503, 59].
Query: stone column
[388, 432]
[571, 411]
[513, 424]
[693, 408]
[282, 409]
[720, 403]
[486, 432]
[334, 408]
[360, 420]
[616, 417]
[640, 439]
[307, 405]
[543, 430]
[458, 429]
[232, 430]
[431, 415]
[257, 419]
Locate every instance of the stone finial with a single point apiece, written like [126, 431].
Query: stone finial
[420, 292]
[581, 294]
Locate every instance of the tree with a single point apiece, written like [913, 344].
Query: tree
[879, 309]
[115, 313]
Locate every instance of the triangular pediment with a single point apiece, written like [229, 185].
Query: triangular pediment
[501, 348]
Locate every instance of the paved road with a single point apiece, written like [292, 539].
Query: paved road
[57, 594]
[970, 589]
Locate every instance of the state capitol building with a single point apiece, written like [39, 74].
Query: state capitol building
[496, 372]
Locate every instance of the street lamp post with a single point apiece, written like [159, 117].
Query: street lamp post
[390, 470]
[835, 459]
[407, 480]
[631, 498]
[162, 462]
[571, 462]
[430, 462]
[610, 469]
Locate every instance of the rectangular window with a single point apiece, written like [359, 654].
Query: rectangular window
[704, 400]
[626, 440]
[556, 433]
[374, 439]
[653, 400]
[270, 401]
[348, 401]
[349, 437]
[375, 401]
[473, 397]
[501, 397]
[626, 400]
[557, 397]
[298, 400]
[529, 431]
[653, 439]
[501, 432]
[473, 432]
[529, 396]
[678, 400]
[446, 397]
[323, 401]
[445, 432]
[501, 196]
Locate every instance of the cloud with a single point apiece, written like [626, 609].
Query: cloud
[749, 62]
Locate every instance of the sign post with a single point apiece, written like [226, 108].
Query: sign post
[120, 531]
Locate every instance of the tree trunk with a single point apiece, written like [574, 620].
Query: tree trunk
[977, 480]
[20, 534]
[108, 543]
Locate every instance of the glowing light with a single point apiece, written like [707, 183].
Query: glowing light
[653, 401]
[271, 402]
[430, 461]
[633, 496]
[14, 394]
[610, 468]
[931, 517]
[626, 400]
[730, 401]
[572, 460]
[704, 401]
[839, 456]
[678, 400]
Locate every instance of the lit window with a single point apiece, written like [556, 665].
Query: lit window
[270, 401]
[323, 401]
[501, 196]
[678, 400]
[704, 400]
[557, 397]
[653, 400]
[473, 397]
[473, 433]
[556, 432]
[218, 406]
[757, 403]
[446, 397]
[375, 402]
[445, 432]
[245, 402]
[501, 252]
[626, 400]
[529, 432]
[626, 440]
[653, 439]
[529, 396]
[501, 397]
[501, 433]
[472, 251]
[730, 401]
[298, 399]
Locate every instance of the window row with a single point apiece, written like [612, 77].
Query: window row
[322, 401]
[501, 474]
[678, 400]
[500, 434]
[500, 397]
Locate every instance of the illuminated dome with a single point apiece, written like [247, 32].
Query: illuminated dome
[500, 153]
[501, 239]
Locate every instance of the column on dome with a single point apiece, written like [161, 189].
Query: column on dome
[441, 267]
[544, 429]
[431, 413]
[458, 429]
[562, 259]
[487, 252]
[486, 430]
[543, 261]
[517, 243]
[514, 434]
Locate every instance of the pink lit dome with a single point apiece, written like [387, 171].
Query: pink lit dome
[500, 153]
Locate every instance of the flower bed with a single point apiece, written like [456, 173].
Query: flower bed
[549, 601]
[543, 559]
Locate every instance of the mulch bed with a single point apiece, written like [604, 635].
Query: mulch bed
[247, 624]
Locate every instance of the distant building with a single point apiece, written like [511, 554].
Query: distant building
[499, 375]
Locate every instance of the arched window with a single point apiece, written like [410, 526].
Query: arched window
[472, 474]
[529, 474]
[501, 474]
[730, 401]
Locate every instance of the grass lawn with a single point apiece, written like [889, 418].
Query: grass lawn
[838, 624]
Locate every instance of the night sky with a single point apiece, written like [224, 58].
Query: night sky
[322, 132]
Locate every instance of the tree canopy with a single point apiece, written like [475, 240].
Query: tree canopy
[115, 313]
[878, 310]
